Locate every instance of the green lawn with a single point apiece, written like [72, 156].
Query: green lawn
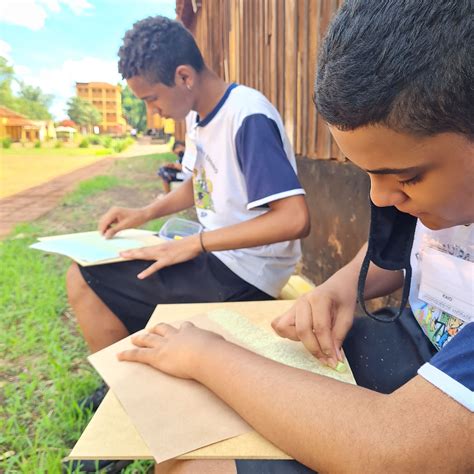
[43, 357]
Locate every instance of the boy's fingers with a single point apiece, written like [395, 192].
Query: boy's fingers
[152, 269]
[304, 330]
[186, 324]
[146, 339]
[137, 355]
[111, 231]
[143, 253]
[322, 322]
[163, 329]
[284, 325]
[117, 227]
[342, 326]
[133, 254]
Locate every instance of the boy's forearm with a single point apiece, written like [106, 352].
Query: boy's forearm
[285, 221]
[299, 412]
[177, 200]
[329, 425]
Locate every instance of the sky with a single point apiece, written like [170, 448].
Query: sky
[54, 43]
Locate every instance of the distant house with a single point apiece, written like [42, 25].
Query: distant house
[65, 134]
[67, 123]
[17, 127]
[107, 98]
[46, 129]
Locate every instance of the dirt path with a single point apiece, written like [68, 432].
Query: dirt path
[32, 203]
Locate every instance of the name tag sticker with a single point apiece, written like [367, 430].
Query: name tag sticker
[447, 283]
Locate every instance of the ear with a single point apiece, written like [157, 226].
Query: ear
[185, 76]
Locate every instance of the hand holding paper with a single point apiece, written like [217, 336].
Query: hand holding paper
[320, 320]
[120, 218]
[166, 254]
[171, 350]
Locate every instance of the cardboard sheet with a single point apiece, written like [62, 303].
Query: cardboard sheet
[172, 415]
[111, 434]
[91, 248]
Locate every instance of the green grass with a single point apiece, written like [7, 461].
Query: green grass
[90, 187]
[44, 371]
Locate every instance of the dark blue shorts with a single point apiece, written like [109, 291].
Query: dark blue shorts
[204, 279]
[169, 174]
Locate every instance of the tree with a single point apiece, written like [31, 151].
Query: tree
[134, 110]
[83, 113]
[7, 75]
[31, 101]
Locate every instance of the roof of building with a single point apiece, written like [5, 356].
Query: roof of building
[99, 84]
[14, 118]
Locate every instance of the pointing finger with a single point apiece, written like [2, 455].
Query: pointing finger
[137, 355]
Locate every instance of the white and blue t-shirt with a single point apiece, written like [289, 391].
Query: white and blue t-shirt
[442, 300]
[242, 160]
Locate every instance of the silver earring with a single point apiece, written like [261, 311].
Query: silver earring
[188, 87]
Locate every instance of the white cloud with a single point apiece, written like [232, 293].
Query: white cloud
[5, 50]
[33, 13]
[61, 81]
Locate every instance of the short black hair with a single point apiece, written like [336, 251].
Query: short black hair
[405, 64]
[155, 47]
[178, 143]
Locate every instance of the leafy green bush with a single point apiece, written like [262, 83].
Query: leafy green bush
[107, 141]
[7, 142]
[58, 144]
[118, 146]
[94, 140]
[37, 144]
[84, 143]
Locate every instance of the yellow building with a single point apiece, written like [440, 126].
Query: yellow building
[159, 124]
[153, 120]
[17, 127]
[107, 99]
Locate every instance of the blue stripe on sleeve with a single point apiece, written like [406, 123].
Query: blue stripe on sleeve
[263, 160]
[456, 359]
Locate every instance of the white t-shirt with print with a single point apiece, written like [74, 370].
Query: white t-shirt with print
[242, 160]
[438, 253]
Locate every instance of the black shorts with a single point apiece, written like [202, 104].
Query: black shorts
[382, 356]
[169, 174]
[204, 279]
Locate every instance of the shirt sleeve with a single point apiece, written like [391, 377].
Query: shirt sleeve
[268, 173]
[452, 368]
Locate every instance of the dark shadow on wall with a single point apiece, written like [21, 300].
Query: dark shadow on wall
[337, 194]
[338, 198]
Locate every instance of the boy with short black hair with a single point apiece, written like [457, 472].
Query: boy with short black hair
[244, 187]
[394, 83]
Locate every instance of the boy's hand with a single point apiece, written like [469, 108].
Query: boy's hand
[171, 350]
[320, 320]
[120, 218]
[169, 253]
